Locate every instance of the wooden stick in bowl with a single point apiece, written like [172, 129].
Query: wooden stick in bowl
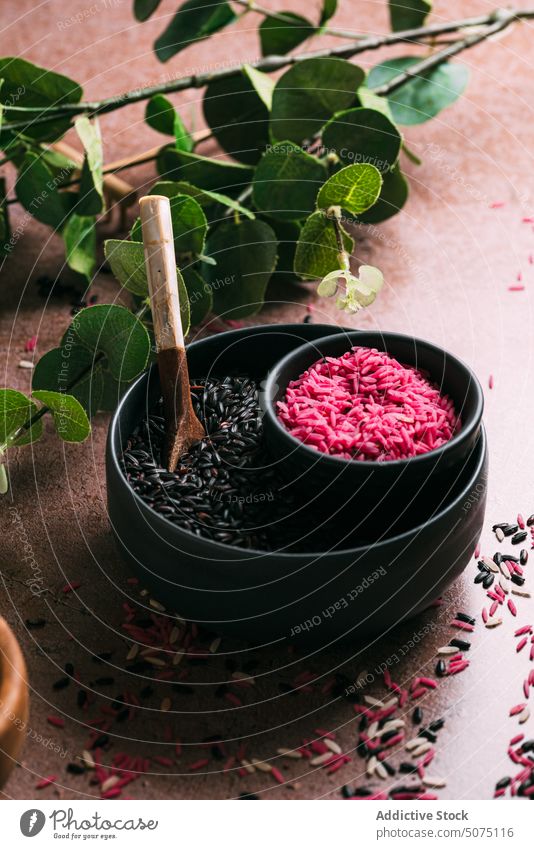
[182, 426]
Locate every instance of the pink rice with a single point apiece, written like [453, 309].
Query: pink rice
[365, 405]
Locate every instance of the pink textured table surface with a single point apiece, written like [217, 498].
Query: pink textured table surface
[448, 259]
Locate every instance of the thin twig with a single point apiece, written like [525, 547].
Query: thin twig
[283, 17]
[498, 19]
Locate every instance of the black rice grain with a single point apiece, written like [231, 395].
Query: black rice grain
[417, 716]
[520, 537]
[462, 645]
[463, 617]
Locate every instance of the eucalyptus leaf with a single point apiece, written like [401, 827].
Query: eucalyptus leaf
[91, 195]
[204, 197]
[287, 234]
[79, 235]
[199, 293]
[127, 262]
[116, 332]
[143, 9]
[363, 135]
[5, 230]
[286, 182]
[70, 418]
[328, 11]
[212, 174]
[237, 117]
[72, 363]
[15, 410]
[371, 100]
[161, 115]
[246, 257]
[262, 83]
[393, 196]
[408, 14]
[424, 96]
[4, 482]
[37, 191]
[189, 225]
[278, 37]
[194, 20]
[317, 251]
[354, 188]
[26, 84]
[112, 392]
[307, 96]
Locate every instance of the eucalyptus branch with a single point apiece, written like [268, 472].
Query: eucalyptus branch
[494, 22]
[504, 20]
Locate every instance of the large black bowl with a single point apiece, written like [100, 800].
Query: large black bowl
[319, 596]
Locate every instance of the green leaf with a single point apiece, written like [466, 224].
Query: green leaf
[127, 261]
[202, 196]
[199, 294]
[212, 174]
[262, 83]
[79, 235]
[328, 11]
[371, 100]
[5, 230]
[317, 251]
[238, 117]
[70, 418]
[143, 9]
[363, 135]
[194, 20]
[246, 258]
[71, 363]
[37, 191]
[408, 14]
[392, 198]
[278, 37]
[189, 225]
[161, 115]
[116, 332]
[286, 182]
[91, 195]
[354, 188]
[287, 234]
[424, 96]
[60, 164]
[29, 85]
[307, 96]
[15, 410]
[4, 482]
[112, 392]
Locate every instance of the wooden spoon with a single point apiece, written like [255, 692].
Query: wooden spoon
[182, 426]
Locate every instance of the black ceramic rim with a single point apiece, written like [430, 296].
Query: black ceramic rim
[318, 457]
[114, 437]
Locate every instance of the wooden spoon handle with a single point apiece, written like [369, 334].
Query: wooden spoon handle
[160, 262]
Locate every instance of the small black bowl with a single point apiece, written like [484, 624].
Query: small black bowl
[377, 487]
[317, 597]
